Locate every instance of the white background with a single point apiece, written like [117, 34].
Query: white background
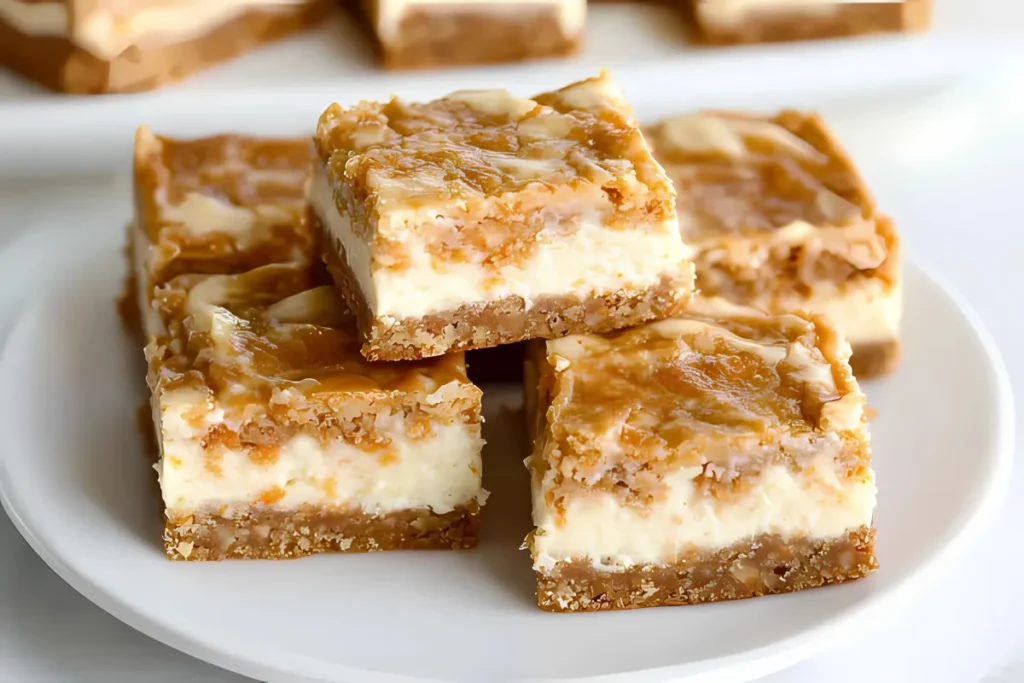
[948, 165]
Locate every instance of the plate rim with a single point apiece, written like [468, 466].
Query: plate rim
[735, 667]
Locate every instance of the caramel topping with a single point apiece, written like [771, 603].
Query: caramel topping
[480, 175]
[739, 174]
[717, 388]
[769, 197]
[240, 170]
[222, 204]
[270, 337]
[486, 143]
[676, 378]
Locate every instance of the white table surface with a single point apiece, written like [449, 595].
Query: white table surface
[950, 165]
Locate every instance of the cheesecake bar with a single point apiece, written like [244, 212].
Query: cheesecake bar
[716, 456]
[727, 22]
[223, 204]
[438, 33]
[278, 440]
[781, 220]
[85, 47]
[483, 218]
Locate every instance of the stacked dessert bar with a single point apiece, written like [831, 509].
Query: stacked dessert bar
[697, 431]
[277, 438]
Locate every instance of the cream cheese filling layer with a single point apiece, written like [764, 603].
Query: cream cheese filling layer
[440, 471]
[868, 313]
[594, 260]
[868, 310]
[387, 15]
[151, 24]
[814, 503]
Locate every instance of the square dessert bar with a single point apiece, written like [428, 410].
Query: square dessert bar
[781, 220]
[428, 33]
[483, 218]
[726, 22]
[87, 47]
[278, 440]
[722, 455]
[224, 204]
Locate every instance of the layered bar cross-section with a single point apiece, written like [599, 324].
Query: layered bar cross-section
[781, 220]
[437, 33]
[483, 218]
[725, 22]
[88, 47]
[723, 455]
[277, 439]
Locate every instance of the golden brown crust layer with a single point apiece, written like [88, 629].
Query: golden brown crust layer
[58, 64]
[262, 533]
[875, 359]
[442, 36]
[766, 565]
[504, 321]
[785, 25]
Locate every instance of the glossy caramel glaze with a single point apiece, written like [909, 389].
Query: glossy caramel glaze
[222, 204]
[481, 176]
[730, 390]
[274, 348]
[741, 174]
[274, 327]
[772, 204]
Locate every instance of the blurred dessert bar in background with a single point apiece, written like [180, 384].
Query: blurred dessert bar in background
[437, 33]
[94, 47]
[781, 220]
[89, 47]
[723, 22]
[276, 438]
[719, 455]
[483, 218]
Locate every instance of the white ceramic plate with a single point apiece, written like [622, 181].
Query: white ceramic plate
[77, 483]
[282, 88]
